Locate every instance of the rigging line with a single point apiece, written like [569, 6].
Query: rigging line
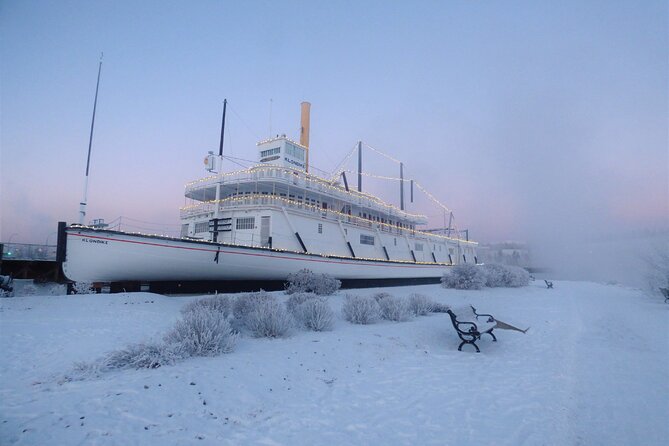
[244, 122]
[431, 197]
[342, 165]
[238, 159]
[145, 222]
[382, 154]
[237, 163]
[233, 158]
[380, 177]
[113, 221]
[145, 228]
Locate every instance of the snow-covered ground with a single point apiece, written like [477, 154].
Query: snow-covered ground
[592, 370]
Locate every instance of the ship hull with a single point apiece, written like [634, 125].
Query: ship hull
[112, 256]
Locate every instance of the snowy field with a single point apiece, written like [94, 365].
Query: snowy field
[592, 370]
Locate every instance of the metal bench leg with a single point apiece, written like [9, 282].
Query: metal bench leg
[494, 339]
[469, 342]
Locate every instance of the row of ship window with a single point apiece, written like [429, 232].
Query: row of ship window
[249, 223]
[324, 205]
[295, 152]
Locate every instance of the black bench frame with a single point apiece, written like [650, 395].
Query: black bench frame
[549, 284]
[468, 331]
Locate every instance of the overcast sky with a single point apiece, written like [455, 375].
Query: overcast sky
[537, 121]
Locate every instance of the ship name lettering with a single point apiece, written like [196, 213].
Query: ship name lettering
[88, 240]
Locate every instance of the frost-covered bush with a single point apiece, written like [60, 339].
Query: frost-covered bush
[394, 309]
[315, 314]
[298, 299]
[440, 308]
[201, 332]
[360, 309]
[495, 275]
[657, 270]
[27, 290]
[518, 277]
[220, 304]
[379, 296]
[464, 277]
[305, 281]
[269, 319]
[245, 303]
[505, 276]
[83, 288]
[137, 356]
[420, 305]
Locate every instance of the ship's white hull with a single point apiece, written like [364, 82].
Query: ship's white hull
[111, 256]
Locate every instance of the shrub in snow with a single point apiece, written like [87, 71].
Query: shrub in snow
[220, 304]
[420, 305]
[28, 290]
[268, 319]
[379, 296]
[518, 277]
[505, 276]
[360, 309]
[495, 275]
[394, 309]
[201, 332]
[305, 281]
[136, 356]
[464, 277]
[245, 303]
[657, 270]
[83, 288]
[440, 308]
[298, 299]
[315, 314]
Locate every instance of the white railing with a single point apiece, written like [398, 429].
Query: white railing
[242, 202]
[302, 180]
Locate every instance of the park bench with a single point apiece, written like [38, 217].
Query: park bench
[549, 284]
[665, 293]
[470, 325]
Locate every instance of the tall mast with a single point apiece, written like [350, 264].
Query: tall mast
[83, 203]
[220, 147]
[359, 166]
[402, 186]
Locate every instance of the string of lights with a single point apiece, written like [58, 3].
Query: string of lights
[416, 183]
[395, 160]
[307, 177]
[367, 222]
[380, 177]
[342, 165]
[279, 250]
[329, 184]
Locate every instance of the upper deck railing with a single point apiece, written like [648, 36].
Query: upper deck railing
[303, 180]
[255, 200]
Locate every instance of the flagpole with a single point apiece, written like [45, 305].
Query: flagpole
[83, 203]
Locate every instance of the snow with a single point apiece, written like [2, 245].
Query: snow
[593, 369]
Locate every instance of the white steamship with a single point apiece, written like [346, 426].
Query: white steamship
[267, 221]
